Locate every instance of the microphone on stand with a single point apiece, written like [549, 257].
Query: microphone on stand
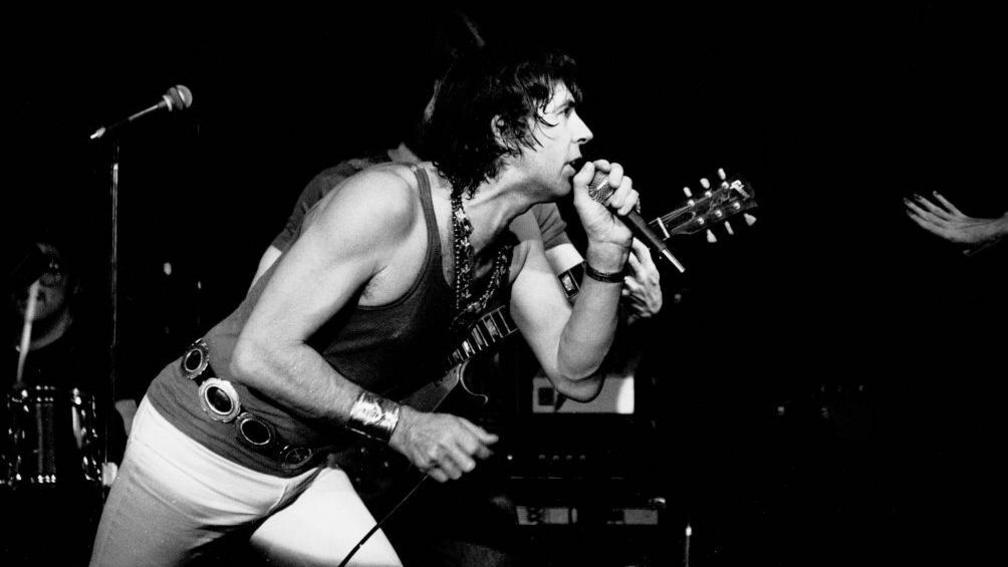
[177, 97]
[599, 190]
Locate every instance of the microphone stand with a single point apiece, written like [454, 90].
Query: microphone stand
[106, 129]
[107, 467]
[177, 97]
[114, 268]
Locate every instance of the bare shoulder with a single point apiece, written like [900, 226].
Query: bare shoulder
[379, 198]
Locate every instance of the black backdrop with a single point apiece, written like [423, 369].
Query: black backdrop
[833, 113]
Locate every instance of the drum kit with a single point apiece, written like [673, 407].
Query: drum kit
[52, 438]
[54, 441]
[51, 475]
[51, 435]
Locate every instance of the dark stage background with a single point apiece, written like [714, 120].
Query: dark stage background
[827, 391]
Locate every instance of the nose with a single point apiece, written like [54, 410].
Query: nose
[582, 134]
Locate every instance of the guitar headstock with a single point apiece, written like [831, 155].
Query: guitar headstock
[713, 206]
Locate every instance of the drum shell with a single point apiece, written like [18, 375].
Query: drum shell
[52, 437]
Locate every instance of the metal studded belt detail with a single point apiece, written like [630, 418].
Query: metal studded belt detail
[220, 401]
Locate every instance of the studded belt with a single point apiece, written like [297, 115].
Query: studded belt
[221, 403]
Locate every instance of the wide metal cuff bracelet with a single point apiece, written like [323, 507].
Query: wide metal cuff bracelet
[373, 416]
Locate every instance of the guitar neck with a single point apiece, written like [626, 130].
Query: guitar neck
[497, 325]
[671, 224]
[487, 331]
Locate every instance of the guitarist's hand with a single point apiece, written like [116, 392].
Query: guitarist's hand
[442, 445]
[642, 287]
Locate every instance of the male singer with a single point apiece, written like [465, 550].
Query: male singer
[361, 310]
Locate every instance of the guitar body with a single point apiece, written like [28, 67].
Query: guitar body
[381, 475]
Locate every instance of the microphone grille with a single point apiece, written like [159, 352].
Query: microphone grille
[599, 189]
[180, 96]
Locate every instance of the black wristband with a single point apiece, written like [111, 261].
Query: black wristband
[607, 277]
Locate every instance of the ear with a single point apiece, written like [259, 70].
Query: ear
[497, 127]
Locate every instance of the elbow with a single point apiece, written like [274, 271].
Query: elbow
[583, 396]
[583, 390]
[247, 361]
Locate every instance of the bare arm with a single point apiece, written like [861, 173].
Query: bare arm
[642, 298]
[373, 230]
[570, 343]
[265, 261]
[642, 293]
[351, 241]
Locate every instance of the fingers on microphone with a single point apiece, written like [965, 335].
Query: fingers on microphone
[584, 177]
[602, 165]
[616, 180]
[627, 198]
[615, 174]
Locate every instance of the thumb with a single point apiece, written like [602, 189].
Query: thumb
[582, 178]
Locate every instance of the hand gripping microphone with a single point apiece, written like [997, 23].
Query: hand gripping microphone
[177, 97]
[600, 190]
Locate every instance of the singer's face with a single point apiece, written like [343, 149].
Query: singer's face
[560, 133]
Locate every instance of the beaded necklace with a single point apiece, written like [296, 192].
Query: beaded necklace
[467, 308]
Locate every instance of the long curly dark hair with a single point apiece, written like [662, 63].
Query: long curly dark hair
[506, 86]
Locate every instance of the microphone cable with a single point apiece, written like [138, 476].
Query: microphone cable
[385, 518]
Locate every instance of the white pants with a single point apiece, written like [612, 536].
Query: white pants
[173, 497]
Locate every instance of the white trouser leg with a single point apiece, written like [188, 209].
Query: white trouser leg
[321, 526]
[173, 497]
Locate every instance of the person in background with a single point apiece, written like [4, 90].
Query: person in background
[65, 438]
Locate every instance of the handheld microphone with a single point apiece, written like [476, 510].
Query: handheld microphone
[179, 97]
[600, 190]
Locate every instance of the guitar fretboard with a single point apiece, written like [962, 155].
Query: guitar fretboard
[487, 331]
[497, 324]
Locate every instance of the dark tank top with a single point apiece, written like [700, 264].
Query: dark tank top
[390, 349]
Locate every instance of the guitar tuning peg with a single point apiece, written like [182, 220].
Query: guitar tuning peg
[721, 174]
[728, 228]
[704, 183]
[710, 237]
[687, 192]
[750, 220]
